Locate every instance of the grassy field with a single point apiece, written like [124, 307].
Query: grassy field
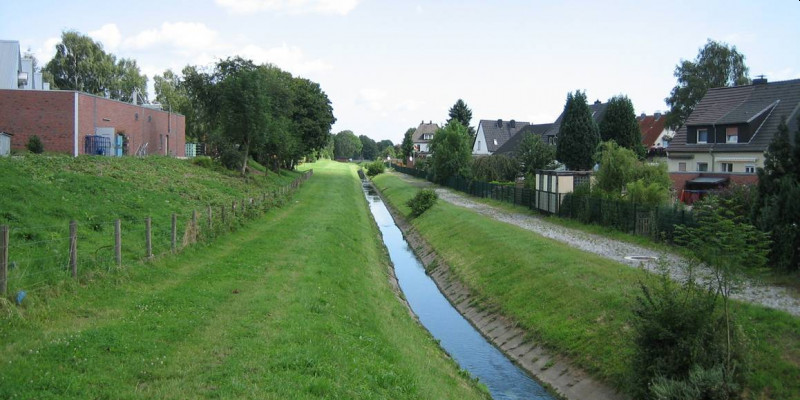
[295, 305]
[574, 302]
[41, 194]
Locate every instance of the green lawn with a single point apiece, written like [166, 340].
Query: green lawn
[574, 302]
[296, 304]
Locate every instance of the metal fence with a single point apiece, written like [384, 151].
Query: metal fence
[657, 222]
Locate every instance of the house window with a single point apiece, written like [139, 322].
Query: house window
[551, 140]
[427, 136]
[479, 145]
[732, 135]
[681, 167]
[495, 142]
[702, 167]
[750, 169]
[702, 136]
[726, 167]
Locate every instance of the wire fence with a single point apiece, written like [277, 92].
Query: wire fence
[657, 222]
[32, 258]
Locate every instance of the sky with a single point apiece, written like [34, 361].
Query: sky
[388, 65]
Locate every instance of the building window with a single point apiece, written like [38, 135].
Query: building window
[750, 169]
[702, 167]
[427, 136]
[726, 167]
[732, 135]
[551, 140]
[702, 136]
[495, 142]
[681, 167]
[479, 145]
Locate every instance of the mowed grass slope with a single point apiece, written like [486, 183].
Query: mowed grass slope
[574, 302]
[295, 305]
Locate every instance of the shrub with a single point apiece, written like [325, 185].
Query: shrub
[423, 200]
[203, 161]
[495, 168]
[35, 145]
[376, 167]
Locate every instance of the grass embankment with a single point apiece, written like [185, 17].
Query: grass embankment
[41, 194]
[574, 302]
[295, 305]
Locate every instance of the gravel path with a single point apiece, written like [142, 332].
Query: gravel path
[753, 292]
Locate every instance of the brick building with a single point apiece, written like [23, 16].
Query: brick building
[63, 120]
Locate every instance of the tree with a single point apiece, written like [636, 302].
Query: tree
[383, 144]
[172, 93]
[621, 174]
[407, 148]
[346, 144]
[81, 64]
[369, 149]
[535, 154]
[461, 113]
[451, 151]
[620, 125]
[126, 79]
[579, 135]
[311, 114]
[716, 65]
[388, 152]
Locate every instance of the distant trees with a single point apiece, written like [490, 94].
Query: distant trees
[716, 65]
[451, 151]
[81, 64]
[369, 149]
[579, 134]
[620, 125]
[461, 113]
[407, 147]
[346, 145]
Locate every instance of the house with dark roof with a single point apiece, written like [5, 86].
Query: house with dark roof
[422, 138]
[510, 147]
[492, 134]
[725, 137]
[656, 135]
[597, 109]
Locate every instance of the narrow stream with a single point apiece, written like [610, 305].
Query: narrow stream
[460, 339]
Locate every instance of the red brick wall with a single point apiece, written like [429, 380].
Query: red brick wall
[50, 114]
[679, 178]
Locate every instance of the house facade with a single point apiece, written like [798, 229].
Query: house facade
[71, 122]
[492, 134]
[725, 137]
[422, 138]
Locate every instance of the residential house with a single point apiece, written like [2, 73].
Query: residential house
[656, 135]
[510, 147]
[597, 109]
[492, 134]
[725, 137]
[422, 138]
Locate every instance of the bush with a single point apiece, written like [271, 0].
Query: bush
[203, 161]
[423, 200]
[35, 145]
[375, 168]
[495, 168]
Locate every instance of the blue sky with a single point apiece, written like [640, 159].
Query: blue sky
[387, 65]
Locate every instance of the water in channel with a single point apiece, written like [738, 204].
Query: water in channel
[460, 339]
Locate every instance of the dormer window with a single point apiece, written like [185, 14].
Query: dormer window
[702, 136]
[427, 136]
[495, 142]
[732, 135]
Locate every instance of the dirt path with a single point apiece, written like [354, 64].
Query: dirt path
[769, 296]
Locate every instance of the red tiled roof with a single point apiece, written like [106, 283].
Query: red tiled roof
[651, 128]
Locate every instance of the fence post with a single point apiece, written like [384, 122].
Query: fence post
[173, 234]
[3, 259]
[148, 237]
[73, 248]
[210, 220]
[244, 208]
[118, 242]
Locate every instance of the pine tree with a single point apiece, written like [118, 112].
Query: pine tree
[461, 113]
[619, 123]
[579, 134]
[777, 161]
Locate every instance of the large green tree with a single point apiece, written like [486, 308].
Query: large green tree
[579, 134]
[384, 144]
[346, 144]
[461, 113]
[127, 81]
[620, 125]
[451, 151]
[407, 147]
[172, 93]
[81, 64]
[534, 153]
[716, 65]
[369, 149]
[311, 114]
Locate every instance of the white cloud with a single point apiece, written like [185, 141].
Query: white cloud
[108, 35]
[409, 105]
[289, 58]
[372, 98]
[340, 7]
[182, 35]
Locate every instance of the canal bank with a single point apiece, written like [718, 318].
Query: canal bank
[553, 371]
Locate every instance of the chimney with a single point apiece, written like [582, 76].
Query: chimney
[657, 115]
[761, 80]
[597, 101]
[512, 124]
[499, 123]
[430, 122]
[643, 116]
